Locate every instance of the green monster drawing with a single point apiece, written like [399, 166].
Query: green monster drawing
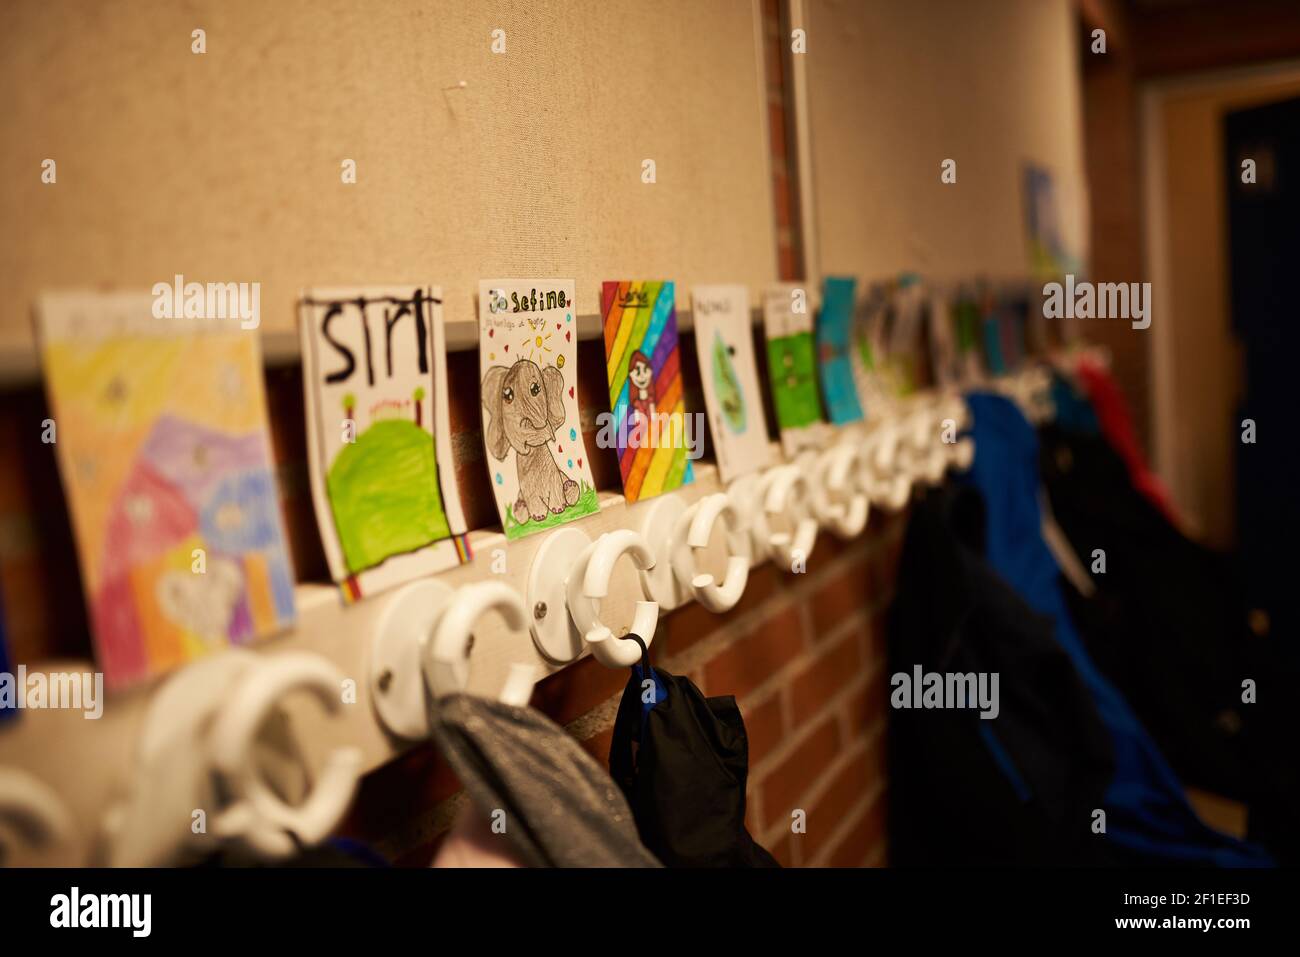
[731, 398]
[791, 362]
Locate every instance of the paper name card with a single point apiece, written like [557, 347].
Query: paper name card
[724, 345]
[902, 336]
[944, 358]
[835, 352]
[868, 356]
[164, 450]
[792, 366]
[528, 360]
[379, 434]
[646, 400]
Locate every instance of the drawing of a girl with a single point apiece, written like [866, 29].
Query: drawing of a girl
[641, 376]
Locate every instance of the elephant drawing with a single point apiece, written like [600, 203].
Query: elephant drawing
[525, 406]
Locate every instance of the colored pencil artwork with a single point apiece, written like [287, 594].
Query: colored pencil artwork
[528, 360]
[834, 350]
[724, 345]
[379, 435]
[164, 450]
[792, 367]
[647, 404]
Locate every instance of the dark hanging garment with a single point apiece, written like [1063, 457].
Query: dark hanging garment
[1168, 622]
[561, 808]
[1072, 408]
[1017, 789]
[1169, 625]
[1148, 815]
[1117, 426]
[682, 762]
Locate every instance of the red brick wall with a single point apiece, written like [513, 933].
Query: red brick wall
[780, 122]
[803, 654]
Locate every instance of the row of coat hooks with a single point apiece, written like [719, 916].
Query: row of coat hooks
[213, 742]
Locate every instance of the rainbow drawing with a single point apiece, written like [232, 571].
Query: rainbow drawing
[645, 387]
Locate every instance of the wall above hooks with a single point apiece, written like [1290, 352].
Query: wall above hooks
[437, 184]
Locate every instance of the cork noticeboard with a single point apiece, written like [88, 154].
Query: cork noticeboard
[226, 166]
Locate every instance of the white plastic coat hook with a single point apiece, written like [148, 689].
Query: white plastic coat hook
[929, 455]
[1030, 389]
[884, 474]
[962, 452]
[422, 637]
[662, 528]
[695, 528]
[35, 826]
[784, 493]
[172, 768]
[556, 560]
[256, 815]
[743, 493]
[882, 451]
[954, 407]
[446, 666]
[588, 583]
[838, 501]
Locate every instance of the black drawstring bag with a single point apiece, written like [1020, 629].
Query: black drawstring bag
[682, 764]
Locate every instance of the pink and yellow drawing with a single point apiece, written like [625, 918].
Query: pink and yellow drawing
[163, 447]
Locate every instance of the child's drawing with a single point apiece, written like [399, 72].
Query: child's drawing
[834, 333]
[525, 407]
[724, 345]
[792, 366]
[647, 407]
[163, 447]
[541, 475]
[374, 374]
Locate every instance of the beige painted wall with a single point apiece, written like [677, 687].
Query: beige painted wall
[895, 88]
[1194, 353]
[225, 166]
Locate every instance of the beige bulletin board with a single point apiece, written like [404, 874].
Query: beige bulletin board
[226, 166]
[895, 88]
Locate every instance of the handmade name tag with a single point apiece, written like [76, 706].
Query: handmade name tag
[378, 434]
[835, 353]
[724, 345]
[647, 423]
[528, 349]
[161, 434]
[792, 366]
